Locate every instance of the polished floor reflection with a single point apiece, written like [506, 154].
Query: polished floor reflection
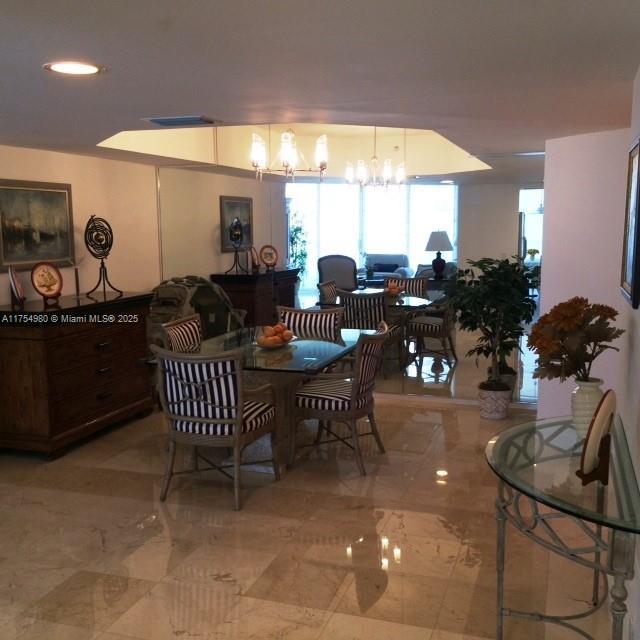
[87, 551]
[432, 375]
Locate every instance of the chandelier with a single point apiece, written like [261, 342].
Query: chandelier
[289, 157]
[371, 175]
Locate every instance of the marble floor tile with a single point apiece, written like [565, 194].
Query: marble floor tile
[88, 552]
[255, 619]
[346, 627]
[176, 609]
[395, 597]
[90, 600]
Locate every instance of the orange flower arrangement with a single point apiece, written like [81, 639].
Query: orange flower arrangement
[570, 337]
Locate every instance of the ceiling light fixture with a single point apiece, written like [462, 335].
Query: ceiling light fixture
[73, 68]
[289, 155]
[368, 175]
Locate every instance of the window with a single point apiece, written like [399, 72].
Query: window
[531, 219]
[350, 220]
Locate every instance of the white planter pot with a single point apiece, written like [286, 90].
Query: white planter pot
[494, 405]
[584, 401]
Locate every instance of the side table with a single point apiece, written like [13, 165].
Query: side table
[537, 488]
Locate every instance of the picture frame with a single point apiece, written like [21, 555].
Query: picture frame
[46, 280]
[36, 224]
[630, 274]
[17, 292]
[255, 260]
[232, 207]
[594, 460]
[269, 256]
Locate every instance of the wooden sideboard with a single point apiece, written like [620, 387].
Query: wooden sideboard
[259, 293]
[69, 371]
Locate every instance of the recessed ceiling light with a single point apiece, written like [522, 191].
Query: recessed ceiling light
[73, 68]
[446, 181]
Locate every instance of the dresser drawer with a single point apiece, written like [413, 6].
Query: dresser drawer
[96, 402]
[99, 372]
[94, 344]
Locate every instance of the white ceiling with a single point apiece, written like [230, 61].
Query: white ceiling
[496, 77]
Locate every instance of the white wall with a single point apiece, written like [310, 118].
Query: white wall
[190, 219]
[123, 193]
[488, 221]
[585, 179]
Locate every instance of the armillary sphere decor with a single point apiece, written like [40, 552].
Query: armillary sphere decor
[236, 235]
[98, 238]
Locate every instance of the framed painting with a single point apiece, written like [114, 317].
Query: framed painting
[36, 224]
[232, 207]
[630, 278]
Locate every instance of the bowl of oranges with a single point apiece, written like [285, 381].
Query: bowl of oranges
[274, 337]
[394, 290]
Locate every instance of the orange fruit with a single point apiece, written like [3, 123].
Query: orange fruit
[287, 335]
[268, 331]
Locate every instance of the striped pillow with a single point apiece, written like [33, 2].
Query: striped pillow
[328, 292]
[185, 337]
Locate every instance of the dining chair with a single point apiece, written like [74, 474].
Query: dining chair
[341, 269]
[323, 324]
[334, 397]
[205, 404]
[435, 323]
[183, 335]
[411, 286]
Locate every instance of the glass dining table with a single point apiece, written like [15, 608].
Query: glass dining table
[284, 367]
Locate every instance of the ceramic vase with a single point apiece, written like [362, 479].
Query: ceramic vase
[584, 401]
[494, 405]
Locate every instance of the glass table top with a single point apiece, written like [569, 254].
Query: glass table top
[540, 459]
[298, 356]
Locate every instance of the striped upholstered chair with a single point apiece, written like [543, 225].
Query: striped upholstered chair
[411, 286]
[437, 322]
[203, 399]
[183, 335]
[328, 292]
[324, 324]
[367, 311]
[337, 398]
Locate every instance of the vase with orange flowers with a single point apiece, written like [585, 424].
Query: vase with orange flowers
[567, 340]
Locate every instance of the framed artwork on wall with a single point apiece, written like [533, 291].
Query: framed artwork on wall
[630, 277]
[232, 207]
[36, 224]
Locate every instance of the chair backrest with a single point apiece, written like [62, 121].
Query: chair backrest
[368, 360]
[199, 390]
[341, 269]
[328, 292]
[323, 324]
[362, 310]
[411, 286]
[183, 335]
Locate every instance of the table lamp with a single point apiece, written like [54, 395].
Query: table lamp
[438, 241]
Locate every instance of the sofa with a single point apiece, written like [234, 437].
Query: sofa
[383, 265]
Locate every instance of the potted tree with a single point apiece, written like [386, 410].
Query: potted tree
[493, 298]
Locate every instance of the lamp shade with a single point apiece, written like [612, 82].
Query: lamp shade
[439, 241]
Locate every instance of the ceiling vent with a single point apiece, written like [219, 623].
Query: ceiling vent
[182, 121]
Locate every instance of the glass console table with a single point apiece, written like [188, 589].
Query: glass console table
[538, 492]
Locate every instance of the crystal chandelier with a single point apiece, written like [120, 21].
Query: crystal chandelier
[289, 156]
[371, 175]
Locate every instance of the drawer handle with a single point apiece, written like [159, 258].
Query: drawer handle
[103, 345]
[103, 370]
[104, 395]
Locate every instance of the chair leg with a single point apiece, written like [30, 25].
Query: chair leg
[274, 454]
[356, 447]
[376, 433]
[237, 459]
[292, 440]
[316, 442]
[171, 455]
